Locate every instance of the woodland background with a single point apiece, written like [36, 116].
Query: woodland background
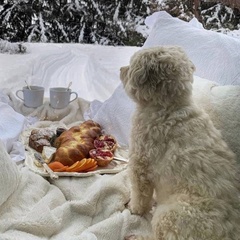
[105, 22]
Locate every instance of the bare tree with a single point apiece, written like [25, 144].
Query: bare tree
[197, 10]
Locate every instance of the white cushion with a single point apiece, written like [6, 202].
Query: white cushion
[215, 55]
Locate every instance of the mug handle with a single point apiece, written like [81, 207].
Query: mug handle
[76, 96]
[17, 92]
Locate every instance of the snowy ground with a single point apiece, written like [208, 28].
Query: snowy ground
[92, 69]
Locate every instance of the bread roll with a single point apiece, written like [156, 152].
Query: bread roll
[75, 143]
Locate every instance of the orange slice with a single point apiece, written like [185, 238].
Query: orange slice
[89, 163]
[71, 168]
[55, 165]
[63, 169]
[91, 169]
[76, 166]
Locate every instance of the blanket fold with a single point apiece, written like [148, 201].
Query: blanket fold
[74, 111]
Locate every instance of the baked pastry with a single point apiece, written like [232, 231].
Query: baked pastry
[39, 138]
[74, 144]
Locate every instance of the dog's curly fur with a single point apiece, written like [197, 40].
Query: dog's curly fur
[177, 152]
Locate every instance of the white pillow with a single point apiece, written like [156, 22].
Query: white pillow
[222, 103]
[114, 115]
[215, 55]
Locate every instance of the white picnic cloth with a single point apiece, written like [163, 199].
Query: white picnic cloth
[33, 207]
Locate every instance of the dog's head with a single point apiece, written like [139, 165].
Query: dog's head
[158, 75]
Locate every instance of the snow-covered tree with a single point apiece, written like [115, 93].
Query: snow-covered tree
[113, 22]
[106, 22]
[12, 48]
[213, 14]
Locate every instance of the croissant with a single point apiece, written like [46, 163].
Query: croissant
[74, 144]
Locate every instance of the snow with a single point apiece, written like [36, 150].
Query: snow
[115, 16]
[93, 69]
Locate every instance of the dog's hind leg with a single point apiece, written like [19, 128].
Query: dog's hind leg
[180, 220]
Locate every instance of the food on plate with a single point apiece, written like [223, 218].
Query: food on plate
[74, 144]
[102, 156]
[39, 138]
[84, 165]
[80, 148]
[57, 167]
[105, 145]
[47, 154]
[59, 131]
[107, 142]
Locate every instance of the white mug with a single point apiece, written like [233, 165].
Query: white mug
[32, 96]
[60, 97]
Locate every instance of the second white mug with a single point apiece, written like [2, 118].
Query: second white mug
[60, 97]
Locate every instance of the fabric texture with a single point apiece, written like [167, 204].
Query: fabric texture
[9, 175]
[11, 125]
[45, 112]
[215, 55]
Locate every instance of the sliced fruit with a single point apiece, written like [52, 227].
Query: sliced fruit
[75, 167]
[86, 164]
[102, 156]
[55, 165]
[63, 169]
[91, 169]
[107, 142]
[89, 163]
[72, 167]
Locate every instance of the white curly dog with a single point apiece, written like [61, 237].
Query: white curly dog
[177, 152]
